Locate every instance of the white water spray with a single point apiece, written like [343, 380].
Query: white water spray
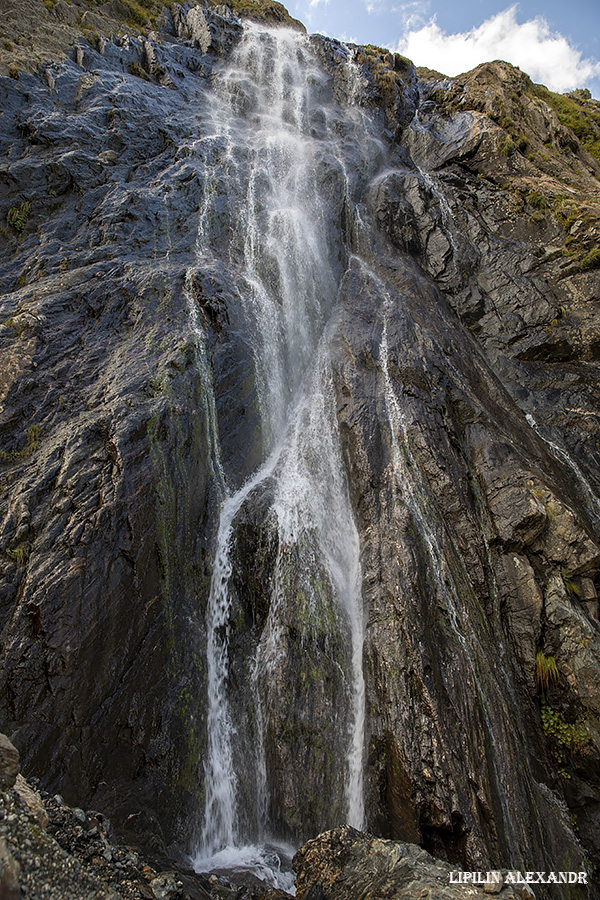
[280, 183]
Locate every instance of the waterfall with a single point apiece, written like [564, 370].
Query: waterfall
[588, 494]
[312, 495]
[274, 205]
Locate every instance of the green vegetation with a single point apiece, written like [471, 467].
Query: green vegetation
[573, 735]
[18, 216]
[591, 260]
[426, 74]
[580, 242]
[388, 71]
[566, 211]
[567, 577]
[272, 13]
[495, 106]
[506, 146]
[142, 13]
[92, 37]
[32, 442]
[580, 115]
[138, 15]
[546, 671]
[157, 386]
[521, 142]
[402, 64]
[505, 97]
[136, 69]
[19, 555]
[536, 199]
[17, 324]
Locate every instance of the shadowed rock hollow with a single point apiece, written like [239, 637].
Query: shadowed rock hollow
[277, 302]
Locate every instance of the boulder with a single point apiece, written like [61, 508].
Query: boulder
[9, 763]
[33, 800]
[10, 871]
[345, 864]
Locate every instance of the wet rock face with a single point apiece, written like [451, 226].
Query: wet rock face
[451, 535]
[347, 863]
[520, 513]
[463, 364]
[99, 454]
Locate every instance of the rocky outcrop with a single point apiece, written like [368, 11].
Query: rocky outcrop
[447, 605]
[108, 475]
[520, 510]
[463, 346]
[50, 849]
[346, 863]
[9, 763]
[35, 33]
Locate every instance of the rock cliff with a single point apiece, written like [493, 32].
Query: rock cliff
[170, 596]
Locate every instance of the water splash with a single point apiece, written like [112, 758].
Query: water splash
[270, 863]
[278, 193]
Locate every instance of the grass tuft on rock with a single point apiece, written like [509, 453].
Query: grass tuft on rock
[18, 216]
[546, 671]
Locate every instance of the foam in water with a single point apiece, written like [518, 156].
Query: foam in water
[270, 863]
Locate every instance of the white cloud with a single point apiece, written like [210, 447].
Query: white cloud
[413, 13]
[306, 12]
[375, 6]
[546, 56]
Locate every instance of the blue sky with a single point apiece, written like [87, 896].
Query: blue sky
[557, 43]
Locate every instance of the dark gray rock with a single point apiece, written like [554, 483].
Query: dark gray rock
[45, 852]
[346, 863]
[9, 763]
[9, 873]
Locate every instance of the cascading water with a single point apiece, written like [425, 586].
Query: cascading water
[415, 495]
[280, 144]
[284, 165]
[590, 498]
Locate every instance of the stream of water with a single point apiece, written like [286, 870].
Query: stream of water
[284, 167]
[281, 146]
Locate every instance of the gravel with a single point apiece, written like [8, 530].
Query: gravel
[75, 857]
[51, 851]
